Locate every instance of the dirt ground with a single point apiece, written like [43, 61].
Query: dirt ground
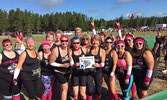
[159, 84]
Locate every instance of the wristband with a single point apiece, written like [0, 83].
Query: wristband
[149, 73]
[93, 27]
[127, 77]
[101, 65]
[112, 74]
[147, 79]
[129, 70]
[71, 63]
[74, 65]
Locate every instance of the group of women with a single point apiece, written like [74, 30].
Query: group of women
[128, 60]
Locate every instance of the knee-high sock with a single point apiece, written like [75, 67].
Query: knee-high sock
[50, 95]
[89, 97]
[44, 97]
[16, 98]
[143, 96]
[133, 90]
[54, 87]
[110, 95]
[7, 98]
[115, 96]
[98, 97]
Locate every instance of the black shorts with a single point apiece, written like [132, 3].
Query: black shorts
[139, 81]
[8, 89]
[62, 78]
[79, 77]
[139, 78]
[106, 70]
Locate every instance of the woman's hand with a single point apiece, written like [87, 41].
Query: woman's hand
[126, 81]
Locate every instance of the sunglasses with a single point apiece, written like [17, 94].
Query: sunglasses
[120, 45]
[8, 44]
[76, 42]
[128, 40]
[138, 43]
[108, 42]
[64, 40]
[85, 39]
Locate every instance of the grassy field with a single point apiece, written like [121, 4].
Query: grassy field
[39, 38]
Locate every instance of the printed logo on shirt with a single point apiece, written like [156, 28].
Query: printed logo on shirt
[10, 62]
[46, 62]
[65, 58]
[11, 68]
[35, 72]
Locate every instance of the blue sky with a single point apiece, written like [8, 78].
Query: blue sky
[107, 9]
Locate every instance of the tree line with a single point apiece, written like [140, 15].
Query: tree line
[17, 20]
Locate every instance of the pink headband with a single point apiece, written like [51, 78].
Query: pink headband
[20, 37]
[6, 42]
[102, 35]
[50, 33]
[94, 38]
[121, 42]
[30, 41]
[46, 43]
[64, 36]
[139, 40]
[128, 36]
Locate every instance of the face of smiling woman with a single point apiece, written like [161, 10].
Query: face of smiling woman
[95, 42]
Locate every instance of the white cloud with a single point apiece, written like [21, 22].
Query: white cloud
[128, 15]
[48, 3]
[93, 10]
[160, 14]
[135, 14]
[124, 1]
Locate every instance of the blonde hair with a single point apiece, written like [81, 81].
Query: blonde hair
[29, 38]
[58, 31]
[76, 29]
[97, 37]
[86, 35]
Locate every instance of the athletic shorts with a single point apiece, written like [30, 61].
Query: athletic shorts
[62, 78]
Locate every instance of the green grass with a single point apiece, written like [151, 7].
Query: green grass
[39, 38]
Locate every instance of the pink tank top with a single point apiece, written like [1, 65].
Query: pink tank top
[121, 62]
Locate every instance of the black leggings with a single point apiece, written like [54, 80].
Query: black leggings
[125, 87]
[98, 79]
[8, 89]
[31, 87]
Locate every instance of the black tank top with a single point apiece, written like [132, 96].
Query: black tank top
[97, 57]
[76, 57]
[62, 60]
[30, 67]
[8, 65]
[46, 69]
[108, 63]
[139, 66]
